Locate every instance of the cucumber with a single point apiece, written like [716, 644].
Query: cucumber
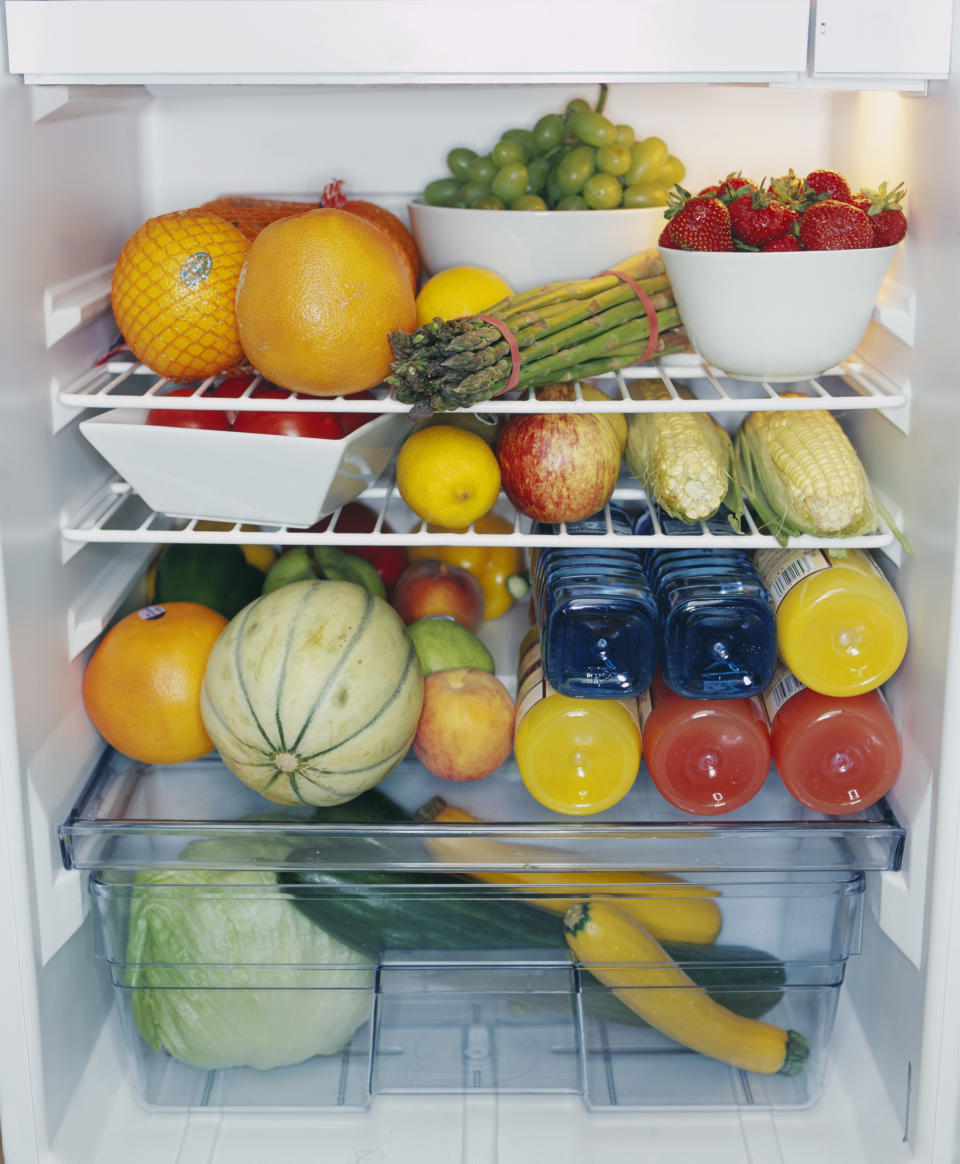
[376, 911]
[370, 807]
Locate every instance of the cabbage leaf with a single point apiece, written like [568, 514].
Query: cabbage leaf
[225, 971]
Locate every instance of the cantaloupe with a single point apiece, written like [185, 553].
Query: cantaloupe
[312, 693]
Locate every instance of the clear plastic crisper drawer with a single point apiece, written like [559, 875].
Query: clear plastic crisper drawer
[252, 990]
[133, 816]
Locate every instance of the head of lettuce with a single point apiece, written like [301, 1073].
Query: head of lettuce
[225, 971]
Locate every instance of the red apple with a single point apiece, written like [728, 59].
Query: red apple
[429, 587]
[558, 466]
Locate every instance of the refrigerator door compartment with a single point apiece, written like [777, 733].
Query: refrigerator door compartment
[515, 1015]
[132, 816]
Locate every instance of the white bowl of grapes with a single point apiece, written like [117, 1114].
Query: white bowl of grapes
[564, 199]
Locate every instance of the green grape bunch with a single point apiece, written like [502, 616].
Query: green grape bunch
[578, 160]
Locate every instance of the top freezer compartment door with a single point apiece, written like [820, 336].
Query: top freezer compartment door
[266, 41]
[904, 39]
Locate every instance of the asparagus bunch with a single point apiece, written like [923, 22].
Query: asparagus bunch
[564, 331]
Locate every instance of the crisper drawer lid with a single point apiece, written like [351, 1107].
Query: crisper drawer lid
[133, 816]
[171, 927]
[284, 40]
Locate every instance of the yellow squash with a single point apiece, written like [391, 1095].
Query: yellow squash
[673, 909]
[626, 958]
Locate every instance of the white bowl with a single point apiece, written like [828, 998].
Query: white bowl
[776, 315]
[239, 476]
[531, 247]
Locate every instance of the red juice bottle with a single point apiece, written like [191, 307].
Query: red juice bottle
[705, 756]
[835, 754]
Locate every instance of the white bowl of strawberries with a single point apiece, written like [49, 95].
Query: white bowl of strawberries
[779, 283]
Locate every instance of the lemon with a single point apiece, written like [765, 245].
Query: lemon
[261, 556]
[460, 291]
[448, 476]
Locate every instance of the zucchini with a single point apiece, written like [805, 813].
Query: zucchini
[644, 976]
[375, 911]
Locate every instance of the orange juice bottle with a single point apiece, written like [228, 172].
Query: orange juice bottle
[575, 755]
[840, 627]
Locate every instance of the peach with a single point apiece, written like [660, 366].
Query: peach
[430, 587]
[465, 730]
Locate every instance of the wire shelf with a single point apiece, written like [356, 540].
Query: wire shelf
[119, 383]
[117, 514]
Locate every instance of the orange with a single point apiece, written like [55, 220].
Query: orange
[173, 293]
[142, 684]
[251, 215]
[319, 295]
[386, 220]
[400, 236]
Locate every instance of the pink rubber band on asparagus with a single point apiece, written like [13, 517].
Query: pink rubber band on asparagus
[648, 307]
[511, 344]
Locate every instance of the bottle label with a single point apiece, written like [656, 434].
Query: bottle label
[781, 570]
[532, 685]
[783, 686]
[644, 707]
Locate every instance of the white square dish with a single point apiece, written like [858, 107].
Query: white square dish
[250, 477]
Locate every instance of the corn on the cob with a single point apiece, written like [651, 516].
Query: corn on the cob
[684, 460]
[803, 476]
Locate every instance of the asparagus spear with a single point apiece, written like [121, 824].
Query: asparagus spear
[597, 324]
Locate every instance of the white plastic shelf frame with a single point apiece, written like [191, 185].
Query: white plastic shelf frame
[117, 514]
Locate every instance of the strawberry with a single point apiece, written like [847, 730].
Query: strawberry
[885, 214]
[835, 226]
[733, 186]
[828, 184]
[789, 190]
[708, 191]
[664, 239]
[786, 242]
[758, 218]
[861, 200]
[698, 224]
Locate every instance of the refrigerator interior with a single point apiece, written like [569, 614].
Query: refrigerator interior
[85, 165]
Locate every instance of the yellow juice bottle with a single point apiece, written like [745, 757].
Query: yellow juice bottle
[575, 756]
[840, 627]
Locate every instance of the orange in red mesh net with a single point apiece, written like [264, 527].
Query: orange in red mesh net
[173, 293]
[250, 215]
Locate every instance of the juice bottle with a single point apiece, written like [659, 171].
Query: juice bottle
[718, 636]
[840, 627]
[575, 755]
[834, 754]
[596, 615]
[705, 756]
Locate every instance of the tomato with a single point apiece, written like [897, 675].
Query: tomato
[350, 421]
[355, 517]
[188, 417]
[232, 387]
[321, 425]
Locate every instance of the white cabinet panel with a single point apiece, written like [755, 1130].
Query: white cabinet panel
[882, 37]
[408, 39]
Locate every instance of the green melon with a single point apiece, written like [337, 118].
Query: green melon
[312, 693]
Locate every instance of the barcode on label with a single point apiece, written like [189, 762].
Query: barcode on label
[784, 686]
[783, 569]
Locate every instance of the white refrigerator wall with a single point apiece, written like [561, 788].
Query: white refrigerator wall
[85, 168]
